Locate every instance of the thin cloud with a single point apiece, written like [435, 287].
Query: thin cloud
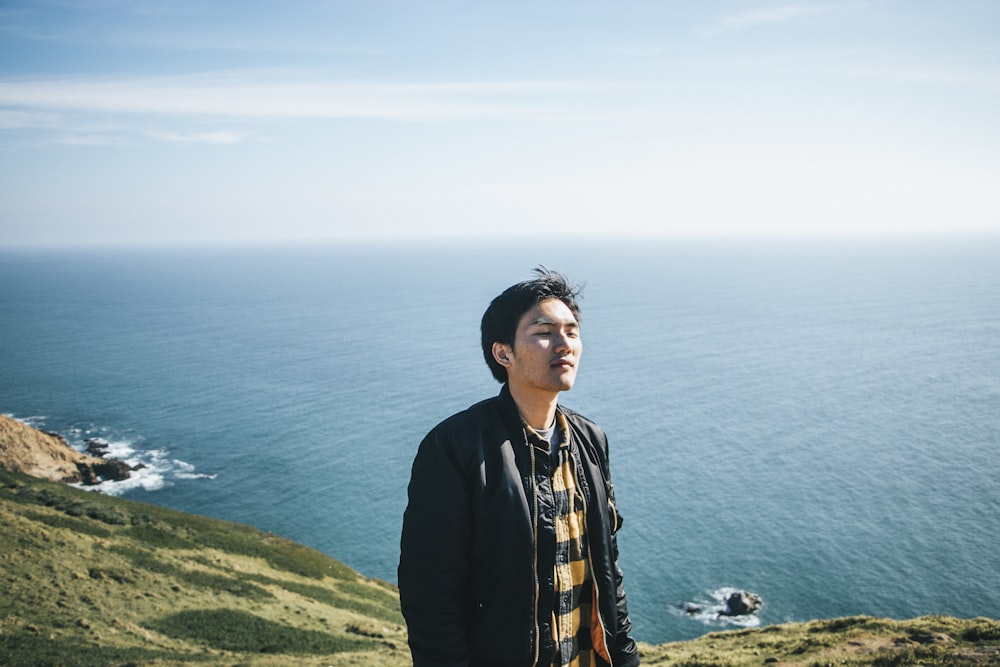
[639, 51]
[765, 16]
[19, 119]
[937, 76]
[242, 97]
[89, 140]
[216, 138]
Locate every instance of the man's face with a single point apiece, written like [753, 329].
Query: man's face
[546, 349]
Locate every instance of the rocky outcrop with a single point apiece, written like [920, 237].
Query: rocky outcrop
[47, 455]
[741, 603]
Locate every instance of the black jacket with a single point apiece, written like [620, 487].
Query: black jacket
[467, 579]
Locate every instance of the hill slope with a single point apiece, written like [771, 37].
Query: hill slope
[859, 641]
[87, 579]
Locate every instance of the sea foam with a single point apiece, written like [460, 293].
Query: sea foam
[152, 468]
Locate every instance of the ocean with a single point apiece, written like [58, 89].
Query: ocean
[815, 421]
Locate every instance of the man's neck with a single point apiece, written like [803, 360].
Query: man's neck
[538, 409]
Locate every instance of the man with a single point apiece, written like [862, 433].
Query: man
[508, 552]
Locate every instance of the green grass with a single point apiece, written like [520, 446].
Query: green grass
[363, 598]
[234, 630]
[159, 535]
[858, 641]
[90, 580]
[37, 651]
[143, 559]
[95, 580]
[63, 521]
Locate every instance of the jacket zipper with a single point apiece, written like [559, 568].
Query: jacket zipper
[534, 537]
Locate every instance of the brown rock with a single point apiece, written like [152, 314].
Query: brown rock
[47, 455]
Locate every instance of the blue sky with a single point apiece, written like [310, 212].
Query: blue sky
[205, 122]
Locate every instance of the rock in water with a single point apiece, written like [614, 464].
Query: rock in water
[114, 470]
[741, 603]
[96, 446]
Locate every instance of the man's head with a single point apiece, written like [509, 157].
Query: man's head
[501, 320]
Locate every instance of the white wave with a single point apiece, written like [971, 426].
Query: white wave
[146, 479]
[35, 421]
[120, 449]
[197, 475]
[152, 470]
[185, 470]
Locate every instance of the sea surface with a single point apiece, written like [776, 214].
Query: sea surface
[817, 422]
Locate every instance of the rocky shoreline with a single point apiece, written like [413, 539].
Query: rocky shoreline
[48, 455]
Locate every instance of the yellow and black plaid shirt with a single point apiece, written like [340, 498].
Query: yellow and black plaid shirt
[571, 617]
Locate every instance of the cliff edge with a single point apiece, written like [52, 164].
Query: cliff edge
[47, 455]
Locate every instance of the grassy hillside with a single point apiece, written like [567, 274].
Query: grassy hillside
[860, 641]
[87, 579]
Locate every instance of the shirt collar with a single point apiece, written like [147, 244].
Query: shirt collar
[562, 427]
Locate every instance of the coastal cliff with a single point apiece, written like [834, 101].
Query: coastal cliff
[87, 579]
[47, 455]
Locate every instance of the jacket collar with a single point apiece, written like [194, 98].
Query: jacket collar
[508, 409]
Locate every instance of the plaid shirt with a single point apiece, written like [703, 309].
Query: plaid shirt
[573, 581]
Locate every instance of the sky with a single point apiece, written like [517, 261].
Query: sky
[201, 121]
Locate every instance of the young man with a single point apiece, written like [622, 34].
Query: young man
[508, 553]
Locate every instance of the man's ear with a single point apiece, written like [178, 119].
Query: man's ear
[501, 353]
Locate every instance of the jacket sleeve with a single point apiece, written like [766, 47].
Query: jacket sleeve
[434, 555]
[623, 650]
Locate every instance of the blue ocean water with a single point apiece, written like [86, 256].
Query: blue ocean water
[814, 421]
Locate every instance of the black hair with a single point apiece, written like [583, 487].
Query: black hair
[501, 318]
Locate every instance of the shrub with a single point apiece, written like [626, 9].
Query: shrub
[157, 535]
[69, 523]
[984, 630]
[232, 630]
[31, 650]
[218, 583]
